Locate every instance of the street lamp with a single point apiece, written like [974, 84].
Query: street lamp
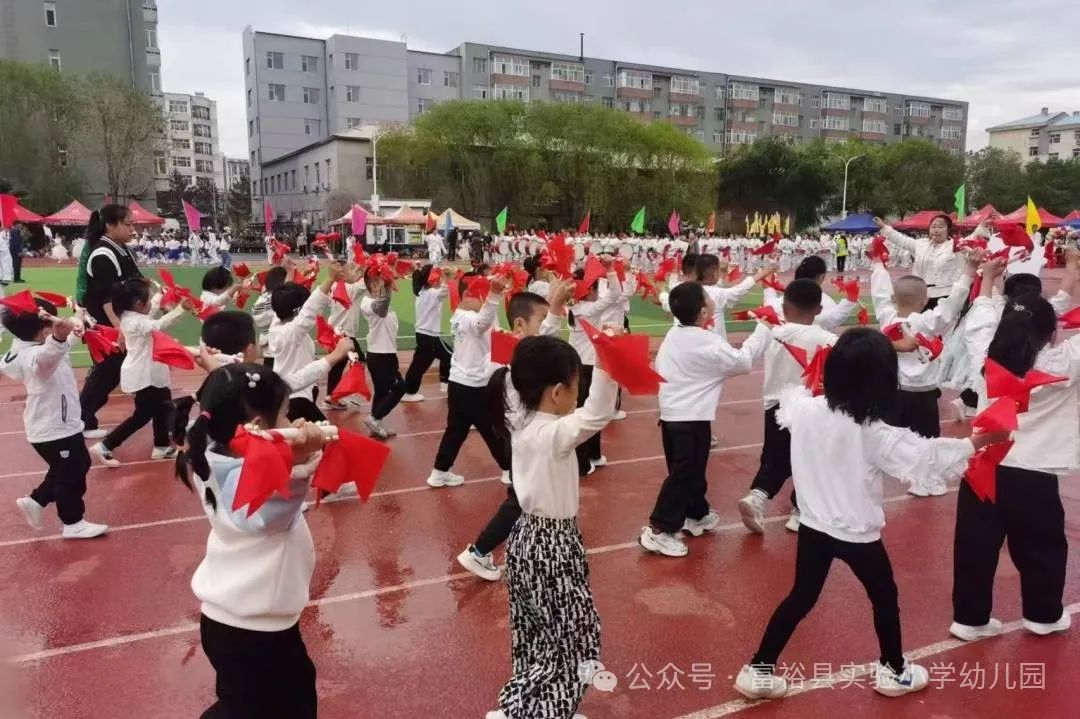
[843, 207]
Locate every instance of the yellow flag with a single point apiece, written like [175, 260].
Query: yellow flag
[787, 225]
[747, 218]
[1033, 221]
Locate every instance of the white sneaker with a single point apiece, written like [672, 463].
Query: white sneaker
[104, 456]
[597, 463]
[444, 479]
[619, 415]
[31, 510]
[1042, 630]
[84, 530]
[94, 433]
[443, 387]
[969, 633]
[756, 683]
[937, 488]
[375, 428]
[916, 489]
[662, 543]
[163, 453]
[497, 714]
[792, 524]
[505, 479]
[415, 397]
[482, 565]
[752, 509]
[698, 527]
[714, 441]
[963, 412]
[888, 683]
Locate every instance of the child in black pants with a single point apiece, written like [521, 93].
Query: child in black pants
[40, 358]
[388, 386]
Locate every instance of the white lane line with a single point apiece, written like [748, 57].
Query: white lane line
[851, 674]
[380, 591]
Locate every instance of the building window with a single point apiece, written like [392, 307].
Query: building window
[536, 81]
[62, 155]
[275, 60]
[292, 174]
[449, 79]
[179, 125]
[352, 93]
[204, 148]
[311, 95]
[897, 128]
[181, 144]
[318, 175]
[509, 65]
[369, 168]
[740, 137]
[564, 96]
[718, 114]
[313, 128]
[837, 101]
[200, 113]
[815, 101]
[953, 113]
[718, 92]
[205, 166]
[717, 137]
[1055, 138]
[830, 122]
[681, 109]
[161, 166]
[251, 128]
[633, 105]
[785, 119]
[1035, 132]
[745, 91]
[568, 72]
[1076, 152]
[181, 161]
[1033, 152]
[352, 61]
[699, 110]
[952, 132]
[247, 68]
[784, 96]
[510, 92]
[588, 78]
[657, 91]
[151, 38]
[635, 79]
[178, 106]
[685, 85]
[918, 109]
[204, 130]
[329, 176]
[1053, 156]
[309, 63]
[422, 106]
[609, 79]
[875, 104]
[814, 122]
[249, 97]
[874, 126]
[54, 59]
[480, 92]
[50, 14]
[352, 123]
[479, 65]
[607, 102]
[423, 76]
[277, 93]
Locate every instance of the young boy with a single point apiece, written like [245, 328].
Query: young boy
[802, 308]
[346, 322]
[833, 314]
[723, 298]
[687, 273]
[694, 362]
[40, 358]
[902, 303]
[466, 393]
[529, 315]
[218, 287]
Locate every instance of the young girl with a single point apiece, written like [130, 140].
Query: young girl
[382, 360]
[1028, 510]
[555, 629]
[218, 287]
[429, 342]
[840, 449]
[140, 374]
[346, 321]
[263, 312]
[40, 358]
[254, 581]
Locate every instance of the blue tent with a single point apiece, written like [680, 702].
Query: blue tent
[854, 223]
[1072, 223]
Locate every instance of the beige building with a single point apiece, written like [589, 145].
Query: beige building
[1045, 136]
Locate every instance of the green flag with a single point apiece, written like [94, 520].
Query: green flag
[638, 223]
[961, 202]
[500, 220]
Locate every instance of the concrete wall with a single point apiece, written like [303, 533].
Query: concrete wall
[380, 77]
[347, 173]
[439, 90]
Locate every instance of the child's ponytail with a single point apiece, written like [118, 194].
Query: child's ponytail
[1027, 325]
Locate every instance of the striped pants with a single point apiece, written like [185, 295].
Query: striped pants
[553, 620]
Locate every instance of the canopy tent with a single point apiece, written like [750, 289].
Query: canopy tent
[1075, 224]
[1020, 217]
[457, 221]
[920, 220]
[142, 216]
[74, 215]
[858, 223]
[24, 215]
[1074, 215]
[988, 213]
[372, 218]
[407, 216]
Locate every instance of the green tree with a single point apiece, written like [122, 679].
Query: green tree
[1054, 185]
[995, 176]
[238, 204]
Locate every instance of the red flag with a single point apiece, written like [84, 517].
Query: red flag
[1001, 416]
[894, 332]
[619, 265]
[21, 303]
[502, 346]
[261, 278]
[863, 316]
[241, 298]
[353, 381]
[279, 250]
[773, 282]
[594, 270]
[766, 249]
[350, 458]
[340, 294]
[879, 250]
[583, 228]
[933, 346]
[268, 217]
[558, 257]
[302, 279]
[625, 358]
[240, 269]
[325, 335]
[1014, 236]
[981, 473]
[57, 300]
[799, 354]
[101, 341]
[455, 293]
[734, 274]
[8, 203]
[266, 469]
[710, 226]
[1071, 319]
[850, 289]
[765, 312]
[168, 351]
[1000, 382]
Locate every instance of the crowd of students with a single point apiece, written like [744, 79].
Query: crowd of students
[842, 409]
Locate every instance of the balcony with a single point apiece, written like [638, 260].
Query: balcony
[789, 107]
[873, 136]
[683, 120]
[685, 97]
[149, 12]
[635, 92]
[836, 111]
[744, 126]
[500, 79]
[742, 104]
[567, 85]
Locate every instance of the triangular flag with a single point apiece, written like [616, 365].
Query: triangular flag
[8, 203]
[478, 286]
[673, 224]
[799, 354]
[638, 223]
[999, 417]
[325, 334]
[773, 282]
[500, 220]
[765, 312]
[240, 269]
[21, 303]
[981, 473]
[101, 341]
[241, 298]
[353, 381]
[625, 358]
[1000, 382]
[734, 275]
[1013, 236]
[268, 216]
[340, 294]
[502, 346]
[894, 332]
[766, 249]
[359, 221]
[583, 228]
[850, 288]
[265, 471]
[1032, 220]
[193, 216]
[350, 458]
[169, 351]
[960, 201]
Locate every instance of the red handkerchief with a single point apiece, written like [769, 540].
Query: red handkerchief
[350, 458]
[1071, 319]
[773, 282]
[325, 335]
[240, 269]
[340, 294]
[167, 350]
[353, 381]
[999, 417]
[625, 358]
[502, 346]
[879, 250]
[266, 469]
[863, 316]
[765, 312]
[53, 298]
[21, 303]
[981, 473]
[1014, 236]
[850, 289]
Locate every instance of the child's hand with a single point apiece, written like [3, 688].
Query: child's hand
[768, 269]
[973, 258]
[993, 269]
[498, 285]
[311, 439]
[187, 304]
[982, 439]
[558, 295]
[341, 351]
[907, 344]
[62, 328]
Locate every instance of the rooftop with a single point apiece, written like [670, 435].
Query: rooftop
[1042, 119]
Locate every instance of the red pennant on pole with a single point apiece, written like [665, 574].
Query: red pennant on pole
[350, 458]
[1014, 236]
[933, 346]
[674, 224]
[734, 275]
[8, 203]
[766, 249]
[21, 303]
[625, 358]
[57, 300]
[583, 228]
[268, 216]
[353, 381]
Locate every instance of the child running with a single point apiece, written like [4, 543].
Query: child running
[40, 358]
[841, 447]
[555, 629]
[430, 344]
[387, 384]
[346, 322]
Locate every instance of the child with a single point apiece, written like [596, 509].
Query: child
[708, 274]
[218, 287]
[40, 358]
[801, 307]
[345, 322]
[290, 339]
[264, 313]
[1028, 510]
[840, 449]
[254, 580]
[387, 384]
[538, 283]
[470, 326]
[529, 315]
[140, 374]
[694, 363]
[555, 629]
[833, 314]
[429, 342]
[687, 273]
[917, 402]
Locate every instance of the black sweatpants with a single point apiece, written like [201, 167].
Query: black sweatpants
[467, 407]
[428, 349]
[102, 379]
[337, 370]
[682, 495]
[387, 383]
[775, 467]
[1027, 513]
[65, 480]
[304, 408]
[498, 527]
[868, 561]
[590, 448]
[841, 262]
[152, 404]
[918, 411]
[259, 674]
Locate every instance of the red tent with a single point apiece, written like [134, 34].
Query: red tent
[1020, 217]
[24, 215]
[73, 215]
[1074, 215]
[987, 213]
[919, 221]
[142, 216]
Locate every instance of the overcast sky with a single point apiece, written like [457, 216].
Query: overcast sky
[1008, 58]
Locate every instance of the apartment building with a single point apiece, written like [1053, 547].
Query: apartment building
[236, 169]
[1045, 136]
[191, 145]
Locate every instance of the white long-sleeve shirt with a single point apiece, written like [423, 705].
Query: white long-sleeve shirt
[616, 314]
[917, 370]
[382, 330]
[209, 297]
[936, 263]
[725, 298]
[781, 369]
[593, 313]
[429, 304]
[470, 365]
[139, 369]
[1048, 438]
[833, 314]
[838, 465]
[545, 471]
[346, 321]
[52, 396]
[694, 363]
[290, 342]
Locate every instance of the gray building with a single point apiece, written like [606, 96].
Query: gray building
[191, 146]
[236, 169]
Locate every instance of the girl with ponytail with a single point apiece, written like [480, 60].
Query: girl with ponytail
[254, 581]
